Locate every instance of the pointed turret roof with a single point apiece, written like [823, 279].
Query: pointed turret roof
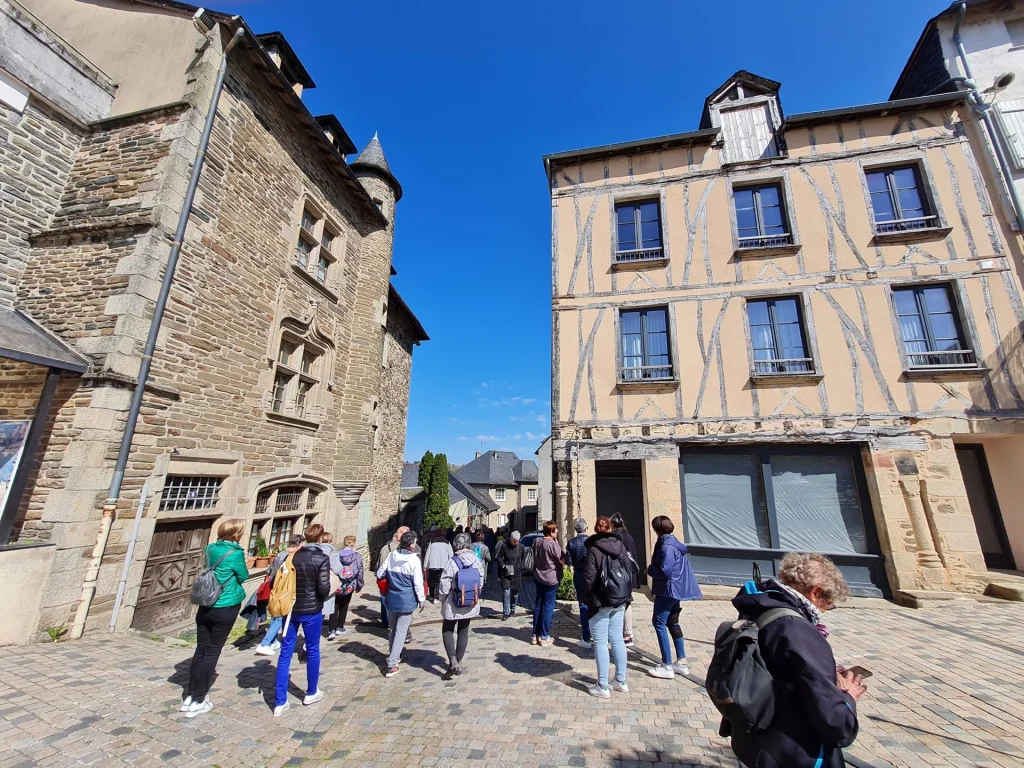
[372, 159]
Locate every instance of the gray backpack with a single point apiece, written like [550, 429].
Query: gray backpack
[738, 681]
[206, 589]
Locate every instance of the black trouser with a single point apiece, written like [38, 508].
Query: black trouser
[337, 620]
[455, 652]
[213, 625]
[434, 581]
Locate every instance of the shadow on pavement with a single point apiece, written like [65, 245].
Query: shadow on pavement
[262, 676]
[520, 664]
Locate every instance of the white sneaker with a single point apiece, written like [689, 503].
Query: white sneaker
[186, 704]
[629, 641]
[199, 709]
[265, 650]
[681, 667]
[663, 671]
[331, 636]
[584, 644]
[599, 692]
[280, 709]
[313, 699]
[622, 687]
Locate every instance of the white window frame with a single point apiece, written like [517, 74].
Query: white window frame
[531, 494]
[499, 494]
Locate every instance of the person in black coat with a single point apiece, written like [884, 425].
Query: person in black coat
[816, 711]
[312, 588]
[510, 570]
[619, 527]
[605, 616]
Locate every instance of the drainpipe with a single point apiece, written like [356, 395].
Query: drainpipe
[114, 493]
[985, 113]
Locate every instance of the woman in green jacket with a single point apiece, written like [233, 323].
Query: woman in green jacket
[213, 624]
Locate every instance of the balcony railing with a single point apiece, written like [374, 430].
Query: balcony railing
[953, 358]
[642, 254]
[647, 373]
[767, 241]
[790, 365]
[906, 225]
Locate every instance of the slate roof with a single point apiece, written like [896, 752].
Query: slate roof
[498, 468]
[24, 339]
[457, 489]
[372, 158]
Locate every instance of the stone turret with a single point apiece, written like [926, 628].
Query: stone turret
[373, 171]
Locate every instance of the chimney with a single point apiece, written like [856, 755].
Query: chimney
[477, 455]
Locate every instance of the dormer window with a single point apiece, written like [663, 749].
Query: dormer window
[746, 109]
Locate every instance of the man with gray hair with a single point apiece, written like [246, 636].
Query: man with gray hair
[576, 554]
[510, 569]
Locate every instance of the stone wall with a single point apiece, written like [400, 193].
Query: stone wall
[389, 453]
[37, 149]
[93, 277]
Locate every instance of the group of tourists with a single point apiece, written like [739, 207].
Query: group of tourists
[812, 700]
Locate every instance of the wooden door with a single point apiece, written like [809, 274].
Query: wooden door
[175, 559]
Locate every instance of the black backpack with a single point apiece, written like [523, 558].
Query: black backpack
[616, 580]
[738, 681]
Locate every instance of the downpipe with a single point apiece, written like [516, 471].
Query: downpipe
[114, 492]
[984, 111]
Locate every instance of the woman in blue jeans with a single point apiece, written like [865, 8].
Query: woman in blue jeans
[548, 559]
[605, 616]
[672, 581]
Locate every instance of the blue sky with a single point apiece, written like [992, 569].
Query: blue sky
[467, 96]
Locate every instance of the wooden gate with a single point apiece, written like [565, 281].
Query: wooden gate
[175, 559]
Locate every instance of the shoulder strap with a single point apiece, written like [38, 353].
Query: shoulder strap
[774, 614]
[219, 560]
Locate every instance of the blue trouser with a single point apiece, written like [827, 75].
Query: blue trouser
[383, 613]
[509, 600]
[275, 626]
[311, 625]
[666, 621]
[544, 610]
[584, 622]
[606, 627]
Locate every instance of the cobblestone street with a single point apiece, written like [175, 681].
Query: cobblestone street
[946, 692]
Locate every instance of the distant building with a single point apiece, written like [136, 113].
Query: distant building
[467, 506]
[279, 386]
[510, 482]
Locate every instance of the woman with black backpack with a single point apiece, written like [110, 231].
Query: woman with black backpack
[607, 585]
[459, 591]
[226, 559]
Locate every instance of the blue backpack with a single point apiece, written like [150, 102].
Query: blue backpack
[467, 587]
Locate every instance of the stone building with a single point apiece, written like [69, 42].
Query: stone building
[792, 333]
[279, 387]
[510, 482]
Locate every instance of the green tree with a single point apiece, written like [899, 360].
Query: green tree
[423, 477]
[437, 497]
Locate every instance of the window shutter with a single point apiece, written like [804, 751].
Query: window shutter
[748, 133]
[1011, 116]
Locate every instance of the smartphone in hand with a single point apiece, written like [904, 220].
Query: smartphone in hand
[859, 670]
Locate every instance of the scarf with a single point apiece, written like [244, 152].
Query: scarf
[812, 611]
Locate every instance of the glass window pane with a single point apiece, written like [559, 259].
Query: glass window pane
[906, 303]
[817, 504]
[911, 206]
[785, 311]
[625, 214]
[936, 299]
[791, 341]
[771, 220]
[650, 231]
[657, 344]
[649, 211]
[763, 342]
[769, 195]
[943, 327]
[881, 205]
[878, 183]
[758, 312]
[656, 320]
[630, 322]
[627, 236]
[725, 501]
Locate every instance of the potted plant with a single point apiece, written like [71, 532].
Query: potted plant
[262, 553]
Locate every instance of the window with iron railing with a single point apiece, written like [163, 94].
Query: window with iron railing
[777, 337]
[761, 217]
[638, 231]
[932, 334]
[189, 493]
[645, 354]
[283, 511]
[898, 200]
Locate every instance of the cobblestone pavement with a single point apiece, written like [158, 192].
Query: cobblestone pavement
[946, 692]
